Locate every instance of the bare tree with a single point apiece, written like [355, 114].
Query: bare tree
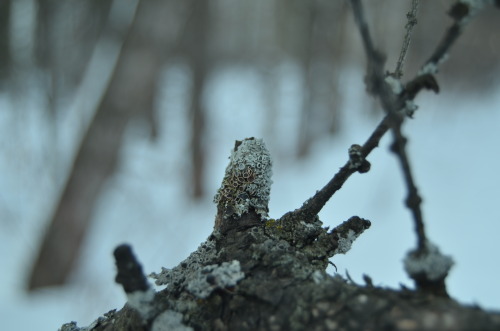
[130, 94]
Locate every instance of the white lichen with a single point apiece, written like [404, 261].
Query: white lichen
[247, 181]
[215, 276]
[142, 302]
[428, 68]
[431, 68]
[355, 157]
[204, 255]
[431, 263]
[410, 108]
[318, 276]
[169, 320]
[345, 243]
[474, 7]
[395, 84]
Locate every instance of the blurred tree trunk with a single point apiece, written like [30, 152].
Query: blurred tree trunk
[307, 62]
[5, 6]
[321, 59]
[65, 35]
[199, 61]
[130, 93]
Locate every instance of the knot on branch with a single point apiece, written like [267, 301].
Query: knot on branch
[356, 159]
[247, 182]
[428, 267]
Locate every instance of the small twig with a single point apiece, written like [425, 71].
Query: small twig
[461, 14]
[391, 105]
[426, 265]
[314, 205]
[413, 200]
[412, 21]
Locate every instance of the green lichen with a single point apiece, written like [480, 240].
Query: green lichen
[273, 224]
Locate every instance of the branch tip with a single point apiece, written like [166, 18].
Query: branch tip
[129, 273]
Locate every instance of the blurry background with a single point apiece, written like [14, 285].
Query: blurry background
[117, 118]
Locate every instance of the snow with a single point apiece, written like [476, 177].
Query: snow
[145, 204]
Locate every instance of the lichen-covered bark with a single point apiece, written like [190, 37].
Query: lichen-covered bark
[286, 288]
[255, 273]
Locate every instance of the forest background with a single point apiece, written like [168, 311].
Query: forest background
[132, 107]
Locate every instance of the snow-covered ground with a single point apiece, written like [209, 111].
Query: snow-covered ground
[453, 145]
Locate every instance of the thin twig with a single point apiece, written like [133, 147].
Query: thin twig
[391, 105]
[461, 14]
[314, 205]
[413, 200]
[412, 21]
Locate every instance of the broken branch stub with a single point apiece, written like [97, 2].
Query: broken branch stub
[244, 193]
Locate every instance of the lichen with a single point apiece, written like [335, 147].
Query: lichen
[141, 301]
[410, 108]
[215, 276]
[204, 255]
[430, 263]
[169, 320]
[71, 326]
[345, 243]
[247, 181]
[395, 84]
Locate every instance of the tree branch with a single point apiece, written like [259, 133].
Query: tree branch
[313, 206]
[412, 21]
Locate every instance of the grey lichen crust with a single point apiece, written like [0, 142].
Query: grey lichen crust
[430, 264]
[169, 320]
[212, 277]
[247, 181]
[206, 254]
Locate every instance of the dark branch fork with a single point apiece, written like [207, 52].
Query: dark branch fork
[397, 101]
